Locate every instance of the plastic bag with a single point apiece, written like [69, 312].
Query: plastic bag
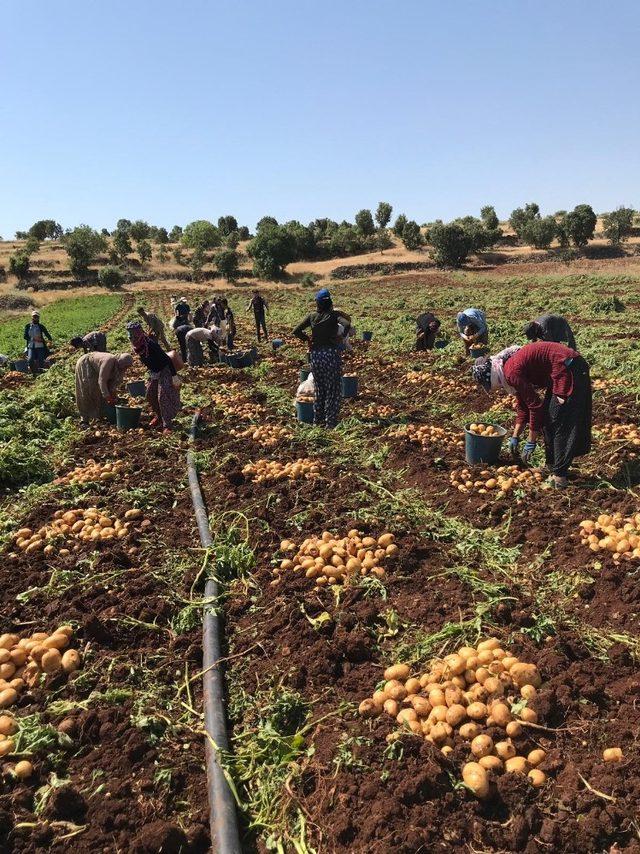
[307, 388]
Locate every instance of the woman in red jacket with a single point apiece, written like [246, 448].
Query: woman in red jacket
[563, 415]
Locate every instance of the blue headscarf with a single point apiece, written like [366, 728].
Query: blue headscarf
[474, 316]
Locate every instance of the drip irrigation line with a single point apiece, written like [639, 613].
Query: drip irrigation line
[223, 820]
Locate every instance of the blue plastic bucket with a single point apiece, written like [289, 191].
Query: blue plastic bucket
[127, 417]
[277, 343]
[137, 388]
[304, 411]
[242, 360]
[349, 386]
[483, 449]
[367, 336]
[21, 365]
[304, 374]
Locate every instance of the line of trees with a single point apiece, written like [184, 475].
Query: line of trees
[277, 245]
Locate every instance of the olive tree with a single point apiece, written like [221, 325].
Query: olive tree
[411, 235]
[144, 251]
[364, 222]
[618, 225]
[226, 262]
[110, 277]
[201, 234]
[450, 244]
[83, 244]
[399, 224]
[383, 214]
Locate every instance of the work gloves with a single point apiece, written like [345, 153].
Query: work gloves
[513, 445]
[527, 453]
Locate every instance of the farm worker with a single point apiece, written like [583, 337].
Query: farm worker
[473, 329]
[194, 340]
[34, 334]
[228, 318]
[200, 314]
[163, 395]
[427, 326]
[182, 313]
[155, 326]
[98, 375]
[92, 342]
[259, 306]
[181, 334]
[215, 312]
[325, 358]
[563, 415]
[550, 327]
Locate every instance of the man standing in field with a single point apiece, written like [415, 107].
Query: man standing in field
[37, 351]
[259, 306]
[155, 326]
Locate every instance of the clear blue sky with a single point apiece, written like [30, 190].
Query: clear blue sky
[177, 111]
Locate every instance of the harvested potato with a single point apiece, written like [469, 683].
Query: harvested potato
[475, 778]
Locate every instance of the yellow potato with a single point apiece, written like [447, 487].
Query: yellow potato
[475, 778]
[482, 745]
[51, 661]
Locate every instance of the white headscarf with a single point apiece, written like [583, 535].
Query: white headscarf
[497, 369]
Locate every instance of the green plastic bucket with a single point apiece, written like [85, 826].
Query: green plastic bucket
[109, 410]
[483, 449]
[128, 417]
[349, 386]
[304, 411]
[304, 374]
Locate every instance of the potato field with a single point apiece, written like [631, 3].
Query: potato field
[419, 654]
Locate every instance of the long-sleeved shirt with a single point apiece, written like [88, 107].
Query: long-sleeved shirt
[258, 304]
[539, 365]
[427, 323]
[201, 333]
[156, 359]
[94, 342]
[556, 328]
[35, 333]
[200, 317]
[156, 326]
[324, 328]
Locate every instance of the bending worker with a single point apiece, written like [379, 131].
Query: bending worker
[563, 415]
[163, 395]
[427, 326]
[98, 375]
[194, 340]
[551, 327]
[155, 326]
[325, 357]
[92, 342]
[473, 329]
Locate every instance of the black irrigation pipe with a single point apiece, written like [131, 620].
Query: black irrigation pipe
[223, 819]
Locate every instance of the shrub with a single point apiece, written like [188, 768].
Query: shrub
[162, 253]
[232, 240]
[364, 222]
[308, 280]
[539, 232]
[411, 235]
[124, 225]
[383, 214]
[175, 234]
[178, 255]
[399, 224]
[489, 217]
[121, 244]
[201, 234]
[32, 245]
[608, 306]
[479, 234]
[19, 265]
[144, 251]
[21, 235]
[110, 277]
[266, 222]
[450, 244]
[162, 236]
[244, 233]
[227, 225]
[83, 244]
[197, 264]
[139, 230]
[46, 228]
[382, 240]
[577, 226]
[273, 247]
[521, 217]
[618, 225]
[226, 263]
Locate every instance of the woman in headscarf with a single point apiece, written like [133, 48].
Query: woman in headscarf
[326, 360]
[473, 329]
[427, 326]
[98, 375]
[162, 394]
[195, 339]
[551, 327]
[563, 415]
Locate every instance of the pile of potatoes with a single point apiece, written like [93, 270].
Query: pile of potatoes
[503, 480]
[329, 560]
[305, 398]
[270, 471]
[617, 534]
[93, 472]
[478, 696]
[244, 411]
[508, 402]
[378, 410]
[484, 429]
[91, 524]
[608, 384]
[436, 382]
[629, 433]
[427, 434]
[267, 435]
[24, 660]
